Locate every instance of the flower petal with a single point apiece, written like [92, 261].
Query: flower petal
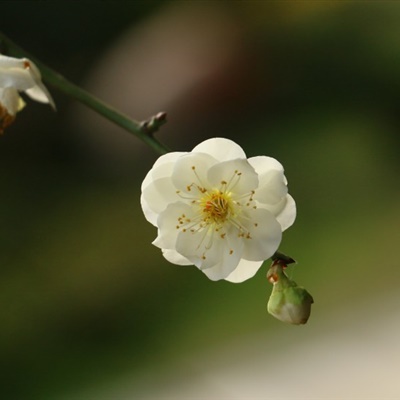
[166, 161]
[207, 249]
[230, 259]
[239, 175]
[264, 164]
[19, 78]
[197, 247]
[11, 62]
[38, 92]
[190, 172]
[175, 258]
[287, 215]
[10, 100]
[162, 168]
[41, 94]
[284, 211]
[245, 270]
[272, 188]
[169, 225]
[156, 197]
[265, 234]
[221, 149]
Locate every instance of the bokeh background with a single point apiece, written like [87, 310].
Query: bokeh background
[88, 307]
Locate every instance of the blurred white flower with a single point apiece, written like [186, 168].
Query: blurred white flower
[218, 210]
[19, 75]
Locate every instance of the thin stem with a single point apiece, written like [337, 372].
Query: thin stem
[143, 130]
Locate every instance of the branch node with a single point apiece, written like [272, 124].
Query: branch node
[152, 125]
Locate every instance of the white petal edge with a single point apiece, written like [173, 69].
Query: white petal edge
[264, 164]
[220, 148]
[174, 257]
[156, 197]
[245, 270]
[12, 62]
[41, 94]
[288, 215]
[156, 172]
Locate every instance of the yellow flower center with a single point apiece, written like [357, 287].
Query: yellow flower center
[215, 211]
[216, 207]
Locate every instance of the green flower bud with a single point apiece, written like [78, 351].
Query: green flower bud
[288, 301]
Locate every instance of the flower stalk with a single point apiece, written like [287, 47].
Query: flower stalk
[143, 130]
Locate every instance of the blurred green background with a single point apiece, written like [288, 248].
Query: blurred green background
[89, 308]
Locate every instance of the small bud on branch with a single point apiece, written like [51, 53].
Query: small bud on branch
[288, 302]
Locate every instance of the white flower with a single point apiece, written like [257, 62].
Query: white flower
[19, 75]
[218, 210]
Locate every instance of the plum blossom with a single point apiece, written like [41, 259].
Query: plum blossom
[218, 210]
[19, 75]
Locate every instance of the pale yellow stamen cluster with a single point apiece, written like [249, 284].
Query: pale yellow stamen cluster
[215, 208]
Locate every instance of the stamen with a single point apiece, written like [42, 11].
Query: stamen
[197, 176]
[233, 181]
[216, 209]
[190, 196]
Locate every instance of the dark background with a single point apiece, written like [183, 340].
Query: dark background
[88, 306]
